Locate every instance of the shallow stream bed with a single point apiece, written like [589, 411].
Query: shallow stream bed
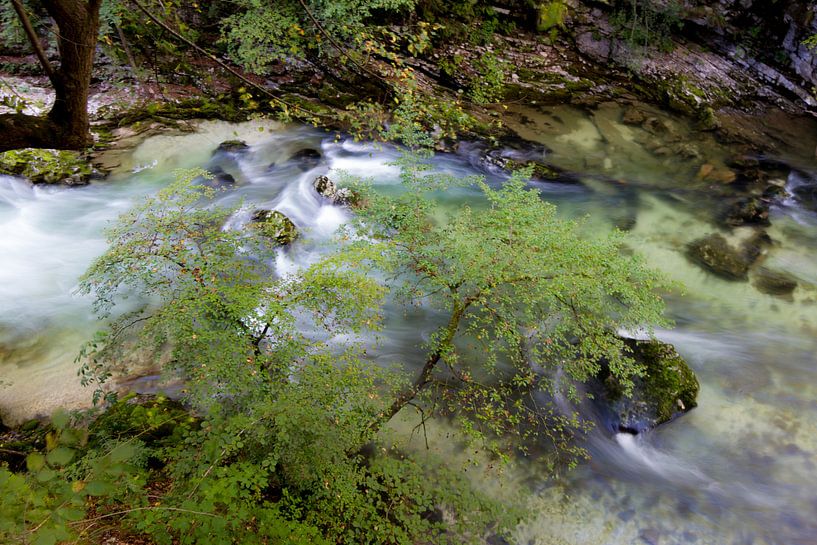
[739, 469]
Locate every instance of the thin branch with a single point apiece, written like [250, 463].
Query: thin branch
[127, 511]
[342, 50]
[221, 63]
[35, 41]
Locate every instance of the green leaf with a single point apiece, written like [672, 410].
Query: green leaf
[122, 453]
[46, 474]
[60, 419]
[60, 456]
[46, 536]
[98, 488]
[70, 513]
[35, 461]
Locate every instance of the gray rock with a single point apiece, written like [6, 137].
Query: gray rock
[774, 282]
[715, 254]
[307, 158]
[232, 146]
[327, 189]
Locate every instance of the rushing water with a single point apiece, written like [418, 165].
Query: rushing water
[739, 469]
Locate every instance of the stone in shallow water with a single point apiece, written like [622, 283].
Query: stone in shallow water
[307, 158]
[274, 225]
[774, 282]
[714, 253]
[340, 196]
[650, 536]
[232, 146]
[748, 210]
[668, 388]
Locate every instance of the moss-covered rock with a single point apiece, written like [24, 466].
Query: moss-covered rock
[715, 254]
[307, 158]
[232, 146]
[47, 166]
[668, 388]
[340, 196]
[774, 282]
[275, 225]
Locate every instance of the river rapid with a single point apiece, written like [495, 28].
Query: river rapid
[739, 469]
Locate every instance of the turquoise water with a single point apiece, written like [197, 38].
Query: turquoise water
[739, 469]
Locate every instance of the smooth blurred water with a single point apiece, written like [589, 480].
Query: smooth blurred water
[739, 469]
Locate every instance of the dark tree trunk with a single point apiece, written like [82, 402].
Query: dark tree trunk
[67, 125]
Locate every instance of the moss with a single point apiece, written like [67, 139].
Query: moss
[275, 225]
[46, 166]
[224, 107]
[667, 388]
[539, 169]
[668, 380]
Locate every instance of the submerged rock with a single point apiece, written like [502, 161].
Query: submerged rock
[275, 225]
[232, 146]
[221, 178]
[749, 210]
[307, 158]
[715, 254]
[46, 166]
[774, 282]
[326, 188]
[668, 388]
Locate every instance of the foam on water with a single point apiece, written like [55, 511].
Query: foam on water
[739, 468]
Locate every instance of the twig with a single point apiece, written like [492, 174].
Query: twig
[221, 63]
[126, 511]
[342, 50]
[35, 41]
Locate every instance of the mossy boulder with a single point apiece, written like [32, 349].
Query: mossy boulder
[307, 158]
[751, 210]
[667, 389]
[340, 196]
[274, 225]
[715, 254]
[232, 146]
[774, 282]
[47, 166]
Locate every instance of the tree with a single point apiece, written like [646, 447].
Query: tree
[531, 304]
[285, 412]
[66, 126]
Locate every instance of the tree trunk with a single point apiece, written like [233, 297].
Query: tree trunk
[67, 125]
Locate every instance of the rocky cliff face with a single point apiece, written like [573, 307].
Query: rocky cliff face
[737, 53]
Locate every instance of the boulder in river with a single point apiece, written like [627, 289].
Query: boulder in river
[668, 388]
[337, 195]
[714, 253]
[45, 166]
[232, 146]
[275, 225]
[774, 282]
[221, 178]
[748, 210]
[307, 158]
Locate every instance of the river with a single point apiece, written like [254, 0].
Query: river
[739, 469]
